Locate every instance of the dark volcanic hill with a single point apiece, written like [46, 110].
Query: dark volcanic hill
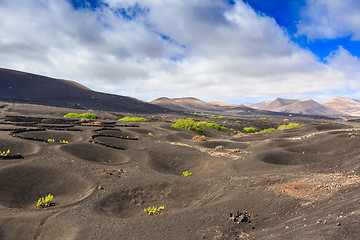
[24, 87]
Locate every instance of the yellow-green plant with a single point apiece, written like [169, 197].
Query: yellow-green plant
[186, 174]
[251, 129]
[5, 153]
[289, 126]
[50, 140]
[45, 202]
[154, 210]
[150, 134]
[268, 130]
[132, 119]
[64, 141]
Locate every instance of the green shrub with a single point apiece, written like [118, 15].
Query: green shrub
[188, 123]
[132, 119]
[72, 115]
[83, 115]
[251, 129]
[268, 130]
[286, 120]
[88, 116]
[219, 117]
[289, 126]
[262, 118]
[191, 124]
[45, 202]
[5, 153]
[154, 210]
[186, 174]
[238, 121]
[213, 126]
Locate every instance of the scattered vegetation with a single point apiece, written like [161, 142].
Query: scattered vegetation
[238, 121]
[83, 115]
[251, 129]
[5, 153]
[191, 124]
[45, 202]
[219, 117]
[289, 126]
[50, 140]
[286, 120]
[154, 210]
[352, 136]
[262, 118]
[150, 134]
[268, 130]
[199, 138]
[186, 174]
[132, 119]
[188, 123]
[64, 141]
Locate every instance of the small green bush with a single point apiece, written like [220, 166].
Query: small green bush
[83, 115]
[191, 124]
[45, 202]
[268, 130]
[289, 126]
[186, 174]
[154, 210]
[188, 123]
[88, 116]
[214, 126]
[262, 118]
[251, 129]
[238, 121]
[219, 117]
[5, 153]
[132, 119]
[286, 120]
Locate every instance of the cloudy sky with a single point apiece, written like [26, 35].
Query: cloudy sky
[225, 50]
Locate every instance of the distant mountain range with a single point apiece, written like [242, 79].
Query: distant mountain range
[24, 87]
[307, 107]
[346, 106]
[335, 107]
[30, 88]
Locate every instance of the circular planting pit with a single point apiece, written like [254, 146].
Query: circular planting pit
[226, 144]
[50, 134]
[131, 202]
[175, 160]
[119, 143]
[117, 133]
[22, 186]
[18, 147]
[96, 153]
[282, 157]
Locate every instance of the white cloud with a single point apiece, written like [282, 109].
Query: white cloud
[213, 51]
[331, 19]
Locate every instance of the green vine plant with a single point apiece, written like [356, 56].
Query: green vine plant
[45, 202]
[64, 141]
[186, 174]
[50, 140]
[5, 153]
[154, 210]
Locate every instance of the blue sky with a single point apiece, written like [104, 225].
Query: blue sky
[216, 50]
